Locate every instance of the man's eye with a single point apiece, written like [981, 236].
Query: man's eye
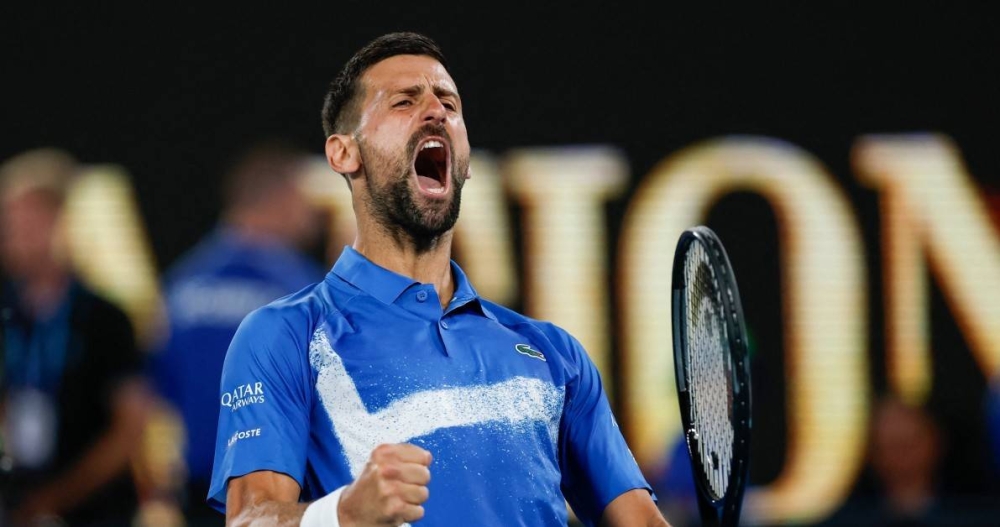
[449, 105]
[402, 104]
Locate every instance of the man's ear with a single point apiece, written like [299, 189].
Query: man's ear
[342, 154]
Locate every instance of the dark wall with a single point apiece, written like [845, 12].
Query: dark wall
[171, 92]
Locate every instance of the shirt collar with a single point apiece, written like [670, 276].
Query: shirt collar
[465, 294]
[387, 286]
[379, 282]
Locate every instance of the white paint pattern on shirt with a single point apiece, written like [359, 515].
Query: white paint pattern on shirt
[513, 405]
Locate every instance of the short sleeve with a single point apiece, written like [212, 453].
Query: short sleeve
[265, 401]
[597, 464]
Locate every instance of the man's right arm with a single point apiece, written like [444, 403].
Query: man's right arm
[263, 498]
[390, 490]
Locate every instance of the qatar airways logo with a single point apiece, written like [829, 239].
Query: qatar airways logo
[243, 395]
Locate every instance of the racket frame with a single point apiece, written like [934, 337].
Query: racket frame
[724, 511]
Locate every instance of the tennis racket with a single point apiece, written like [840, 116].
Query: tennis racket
[713, 374]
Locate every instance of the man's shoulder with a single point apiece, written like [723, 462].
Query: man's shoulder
[298, 313]
[305, 304]
[519, 321]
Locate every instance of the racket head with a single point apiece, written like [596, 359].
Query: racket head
[712, 370]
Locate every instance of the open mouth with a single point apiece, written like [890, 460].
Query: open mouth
[431, 166]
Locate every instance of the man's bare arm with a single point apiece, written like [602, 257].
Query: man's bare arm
[263, 498]
[390, 490]
[633, 509]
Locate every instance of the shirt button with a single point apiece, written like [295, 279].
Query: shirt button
[444, 324]
[421, 296]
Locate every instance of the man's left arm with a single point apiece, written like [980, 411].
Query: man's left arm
[633, 509]
[601, 478]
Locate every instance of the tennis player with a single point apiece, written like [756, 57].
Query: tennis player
[390, 392]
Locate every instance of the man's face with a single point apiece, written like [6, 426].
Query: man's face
[904, 445]
[28, 225]
[414, 145]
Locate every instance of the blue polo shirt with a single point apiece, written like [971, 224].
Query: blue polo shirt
[511, 408]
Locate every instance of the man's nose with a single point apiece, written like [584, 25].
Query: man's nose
[434, 110]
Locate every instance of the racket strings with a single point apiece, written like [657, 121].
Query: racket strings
[709, 374]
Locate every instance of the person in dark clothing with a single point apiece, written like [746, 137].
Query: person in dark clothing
[72, 399]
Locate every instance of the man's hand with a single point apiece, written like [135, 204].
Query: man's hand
[390, 490]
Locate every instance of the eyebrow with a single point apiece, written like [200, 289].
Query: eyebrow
[439, 91]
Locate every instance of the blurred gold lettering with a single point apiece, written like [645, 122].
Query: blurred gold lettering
[563, 192]
[484, 243]
[929, 203]
[825, 315]
[110, 249]
[329, 192]
[929, 209]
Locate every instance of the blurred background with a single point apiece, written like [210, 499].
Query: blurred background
[845, 157]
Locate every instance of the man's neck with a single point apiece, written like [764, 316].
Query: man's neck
[402, 256]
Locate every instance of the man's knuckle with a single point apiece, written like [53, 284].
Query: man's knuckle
[385, 488]
[396, 508]
[381, 451]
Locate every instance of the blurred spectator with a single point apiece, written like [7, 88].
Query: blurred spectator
[254, 256]
[905, 451]
[73, 403]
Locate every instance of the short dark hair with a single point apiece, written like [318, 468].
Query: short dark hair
[340, 106]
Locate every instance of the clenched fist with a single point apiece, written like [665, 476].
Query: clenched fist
[390, 490]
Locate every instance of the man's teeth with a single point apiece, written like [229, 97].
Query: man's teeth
[432, 144]
[439, 190]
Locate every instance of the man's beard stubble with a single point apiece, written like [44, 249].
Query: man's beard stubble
[394, 205]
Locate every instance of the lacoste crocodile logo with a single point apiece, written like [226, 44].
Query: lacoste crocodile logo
[525, 349]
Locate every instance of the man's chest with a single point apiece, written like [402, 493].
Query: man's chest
[400, 380]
